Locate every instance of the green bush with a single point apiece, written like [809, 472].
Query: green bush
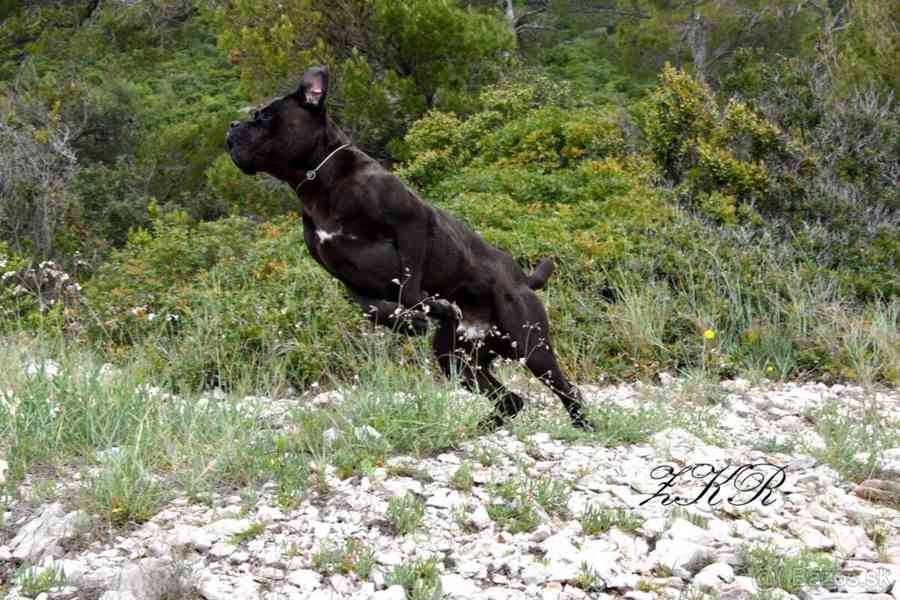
[581, 186]
[222, 303]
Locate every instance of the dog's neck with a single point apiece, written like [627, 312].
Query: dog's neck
[324, 158]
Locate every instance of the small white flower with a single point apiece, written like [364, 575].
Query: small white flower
[8, 275]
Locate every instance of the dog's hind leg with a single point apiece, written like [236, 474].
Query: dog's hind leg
[460, 357]
[522, 317]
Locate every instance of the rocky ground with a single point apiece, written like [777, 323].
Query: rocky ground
[646, 551]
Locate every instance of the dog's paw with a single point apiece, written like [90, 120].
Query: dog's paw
[491, 423]
[581, 422]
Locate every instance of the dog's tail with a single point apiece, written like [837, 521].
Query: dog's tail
[541, 274]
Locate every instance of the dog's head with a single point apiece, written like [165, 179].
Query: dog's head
[281, 137]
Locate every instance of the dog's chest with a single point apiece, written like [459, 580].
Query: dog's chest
[334, 233]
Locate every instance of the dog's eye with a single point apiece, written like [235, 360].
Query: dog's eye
[266, 116]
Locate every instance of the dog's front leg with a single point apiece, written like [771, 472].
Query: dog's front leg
[391, 315]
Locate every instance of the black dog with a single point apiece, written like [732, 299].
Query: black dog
[367, 229]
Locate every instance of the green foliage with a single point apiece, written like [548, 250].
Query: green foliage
[595, 520]
[419, 578]
[201, 299]
[748, 192]
[14, 305]
[405, 513]
[772, 568]
[34, 581]
[429, 52]
[350, 557]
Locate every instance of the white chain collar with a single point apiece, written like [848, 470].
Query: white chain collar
[310, 175]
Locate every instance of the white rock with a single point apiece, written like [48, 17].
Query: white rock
[681, 558]
[541, 533]
[811, 537]
[150, 579]
[714, 577]
[684, 530]
[42, 536]
[304, 579]
[479, 518]
[395, 592]
[225, 528]
[389, 558]
[114, 595]
[222, 550]
[443, 498]
[848, 539]
[399, 486]
[458, 587]
[558, 547]
[365, 592]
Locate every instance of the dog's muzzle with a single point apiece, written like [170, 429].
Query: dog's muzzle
[234, 149]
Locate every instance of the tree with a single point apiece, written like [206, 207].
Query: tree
[407, 55]
[707, 33]
[36, 163]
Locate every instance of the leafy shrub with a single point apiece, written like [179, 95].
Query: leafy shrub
[214, 303]
[580, 186]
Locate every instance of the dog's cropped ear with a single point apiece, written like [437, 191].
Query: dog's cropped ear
[314, 88]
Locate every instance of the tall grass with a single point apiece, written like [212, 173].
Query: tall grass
[138, 444]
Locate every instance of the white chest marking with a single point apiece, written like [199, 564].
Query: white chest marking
[324, 236]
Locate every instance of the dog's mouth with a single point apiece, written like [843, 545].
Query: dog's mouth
[240, 161]
[247, 170]
[238, 156]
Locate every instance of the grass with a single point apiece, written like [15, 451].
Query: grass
[513, 502]
[462, 480]
[772, 445]
[846, 435]
[419, 578]
[595, 520]
[253, 531]
[588, 580]
[406, 470]
[405, 513]
[33, 581]
[773, 569]
[690, 516]
[351, 556]
[139, 444]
